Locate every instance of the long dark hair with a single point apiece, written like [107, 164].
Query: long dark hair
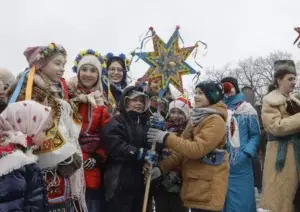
[122, 63]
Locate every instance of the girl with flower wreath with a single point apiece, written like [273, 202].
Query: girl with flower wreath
[87, 94]
[114, 79]
[59, 156]
[22, 126]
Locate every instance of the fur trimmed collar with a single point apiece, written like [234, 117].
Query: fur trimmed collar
[16, 160]
[275, 98]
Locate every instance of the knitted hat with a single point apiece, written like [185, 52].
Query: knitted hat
[41, 55]
[212, 90]
[94, 61]
[6, 76]
[91, 60]
[232, 81]
[283, 67]
[182, 104]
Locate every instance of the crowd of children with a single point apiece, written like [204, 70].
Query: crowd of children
[84, 144]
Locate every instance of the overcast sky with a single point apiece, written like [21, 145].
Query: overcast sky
[233, 29]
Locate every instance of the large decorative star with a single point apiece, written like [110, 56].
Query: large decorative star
[167, 61]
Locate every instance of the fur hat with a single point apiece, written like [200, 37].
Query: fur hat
[7, 77]
[41, 55]
[233, 81]
[182, 104]
[212, 90]
[283, 67]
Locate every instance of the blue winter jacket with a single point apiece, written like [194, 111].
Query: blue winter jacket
[22, 190]
[240, 195]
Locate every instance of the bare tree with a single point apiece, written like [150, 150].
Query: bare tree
[254, 72]
[218, 74]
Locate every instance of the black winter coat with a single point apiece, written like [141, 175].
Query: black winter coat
[123, 136]
[23, 190]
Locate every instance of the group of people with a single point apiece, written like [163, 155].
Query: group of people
[85, 144]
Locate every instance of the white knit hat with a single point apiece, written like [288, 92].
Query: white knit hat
[181, 104]
[92, 60]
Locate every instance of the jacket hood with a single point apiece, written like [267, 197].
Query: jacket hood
[126, 93]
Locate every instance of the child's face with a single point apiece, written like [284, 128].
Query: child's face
[176, 115]
[136, 104]
[200, 99]
[55, 68]
[154, 87]
[88, 76]
[115, 72]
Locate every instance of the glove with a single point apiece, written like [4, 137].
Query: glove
[89, 164]
[156, 135]
[155, 173]
[157, 121]
[68, 167]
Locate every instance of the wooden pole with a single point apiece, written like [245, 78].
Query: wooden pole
[148, 182]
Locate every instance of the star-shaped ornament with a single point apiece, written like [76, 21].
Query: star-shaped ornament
[167, 61]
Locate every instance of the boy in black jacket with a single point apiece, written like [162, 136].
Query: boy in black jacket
[124, 136]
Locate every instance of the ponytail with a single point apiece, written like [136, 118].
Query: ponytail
[271, 87]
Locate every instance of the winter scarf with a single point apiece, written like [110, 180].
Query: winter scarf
[293, 107]
[282, 149]
[198, 114]
[78, 95]
[94, 97]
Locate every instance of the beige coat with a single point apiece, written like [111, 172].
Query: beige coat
[279, 188]
[204, 186]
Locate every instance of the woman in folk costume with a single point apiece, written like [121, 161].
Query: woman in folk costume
[166, 194]
[200, 151]
[60, 156]
[243, 136]
[115, 79]
[86, 93]
[281, 168]
[22, 128]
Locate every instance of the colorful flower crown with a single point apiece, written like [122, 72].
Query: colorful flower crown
[122, 56]
[88, 52]
[51, 49]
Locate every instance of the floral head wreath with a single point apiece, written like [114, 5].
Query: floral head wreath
[88, 52]
[122, 56]
[50, 50]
